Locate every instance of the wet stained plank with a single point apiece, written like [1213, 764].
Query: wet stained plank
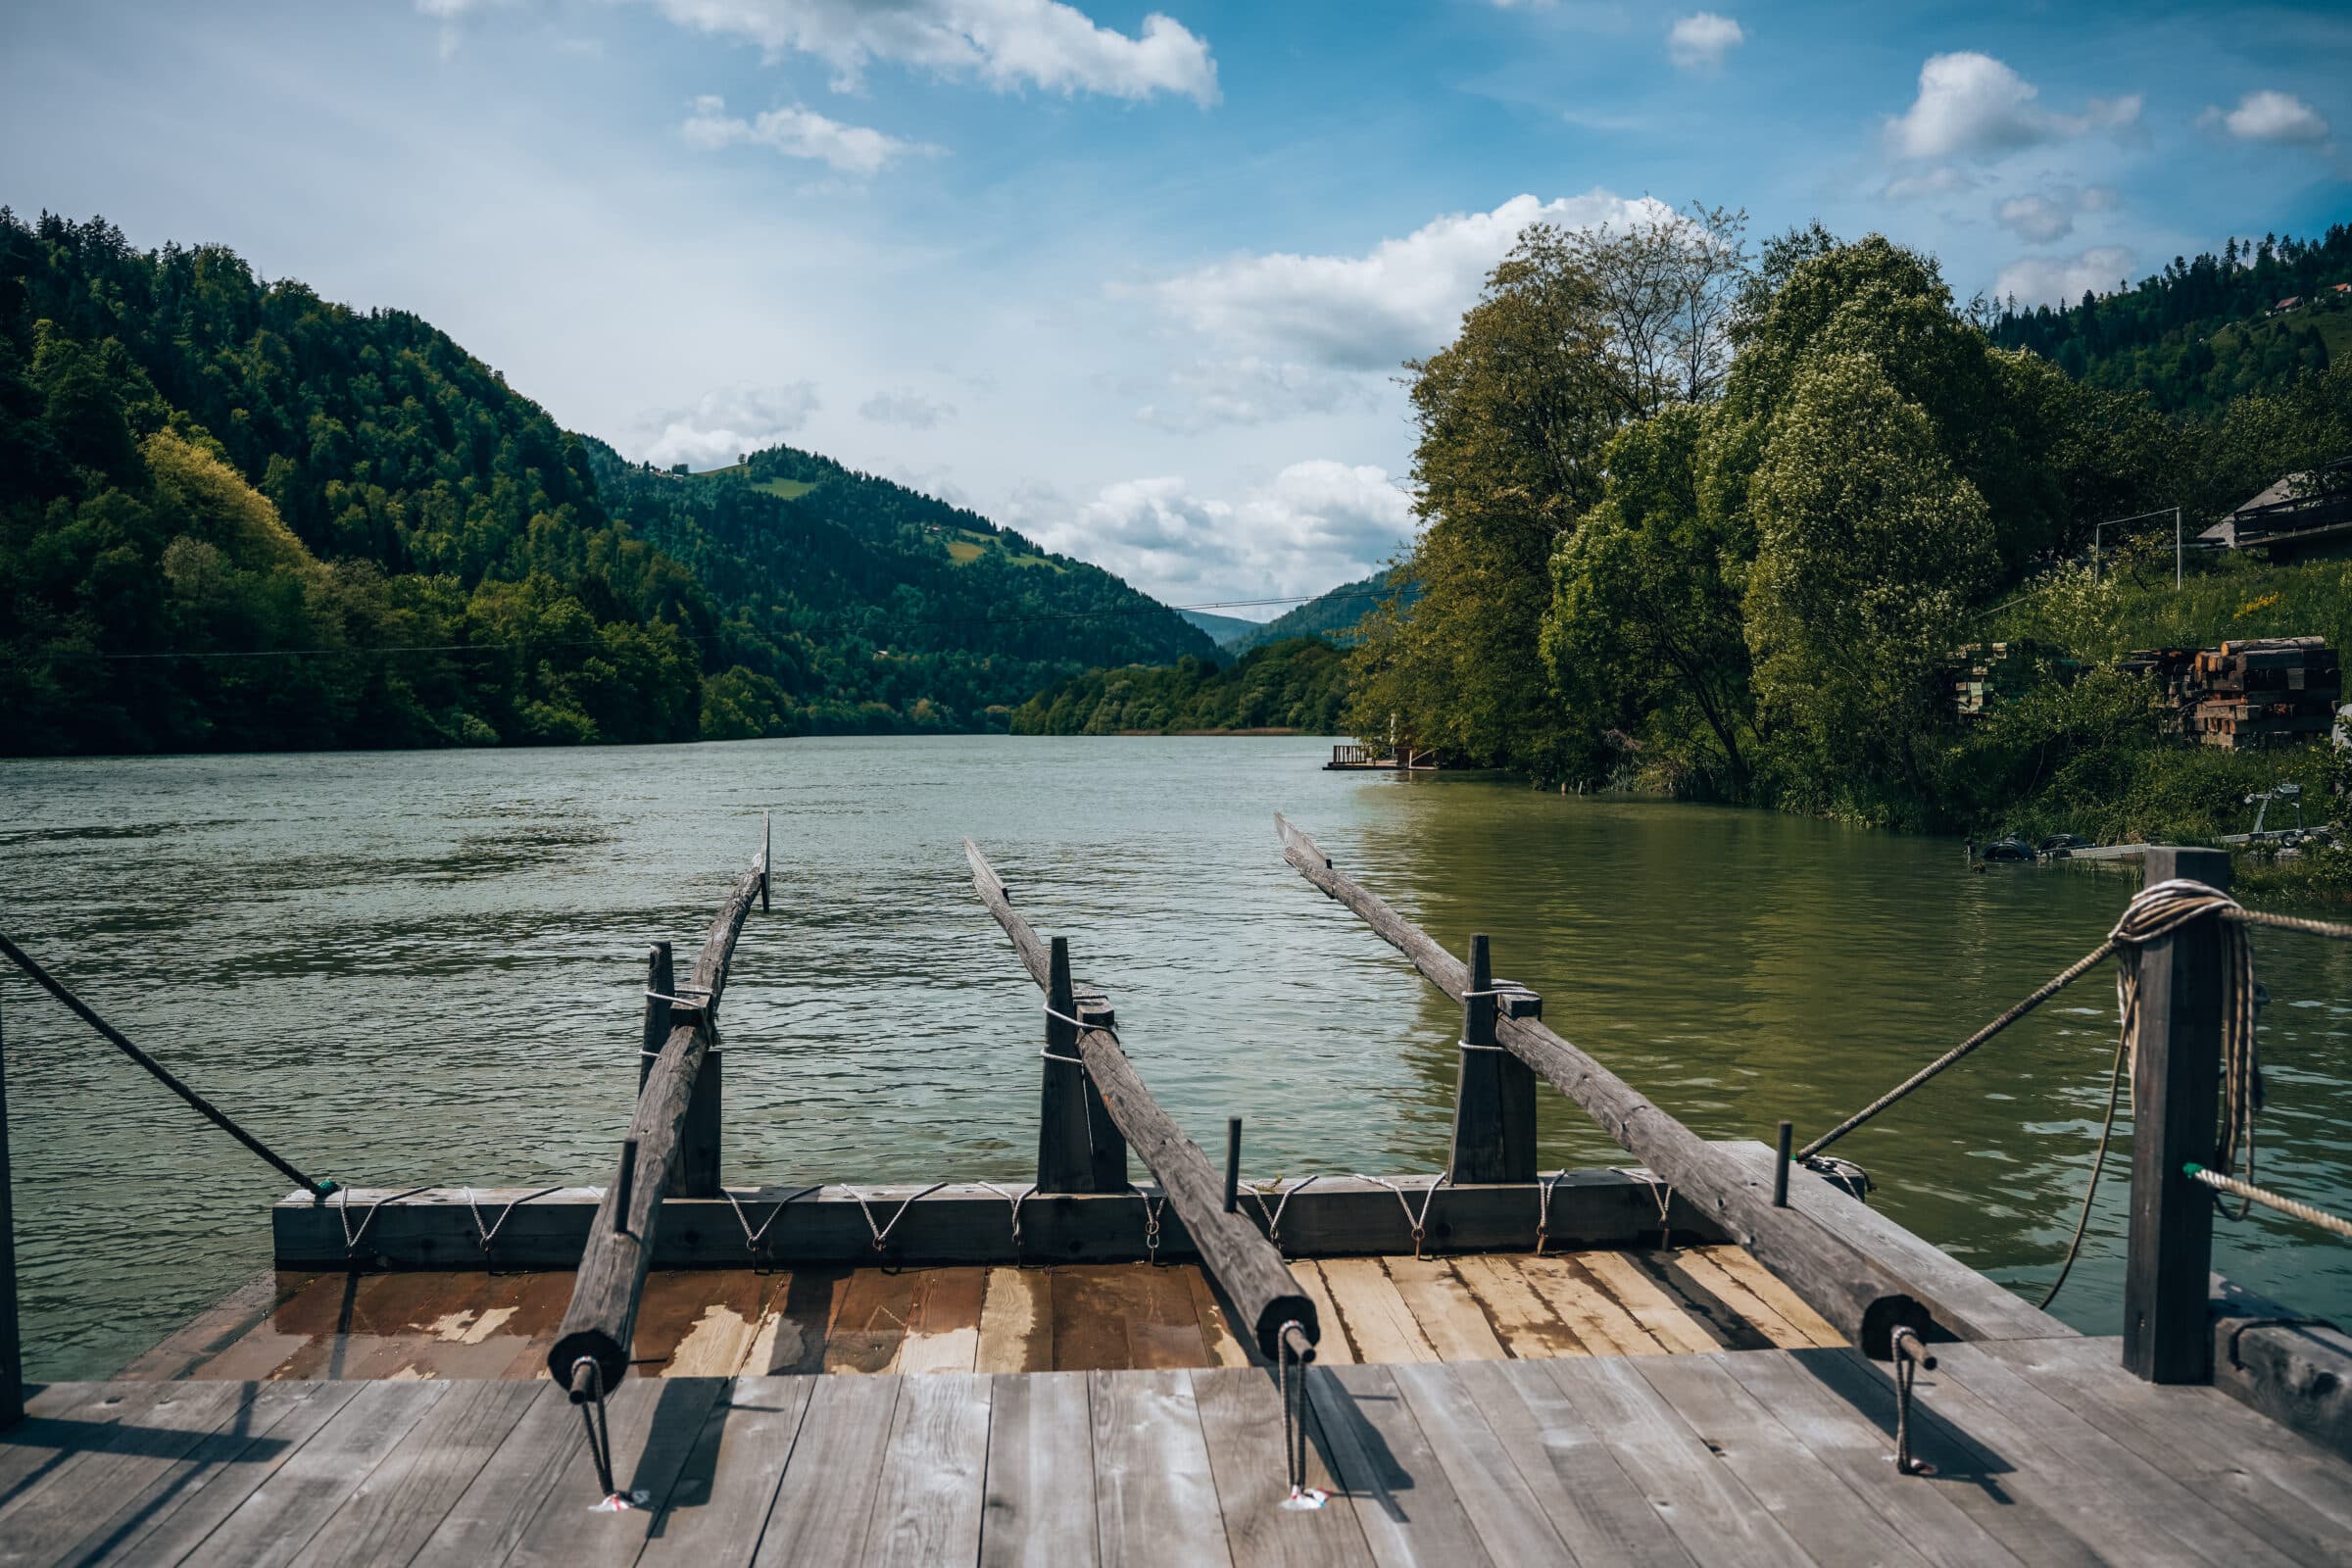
[869, 1324]
[1017, 1322]
[1381, 1328]
[701, 1324]
[1449, 1314]
[1594, 1317]
[1522, 1320]
[944, 1335]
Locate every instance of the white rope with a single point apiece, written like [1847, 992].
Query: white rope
[882, 1234]
[1273, 1217]
[753, 1238]
[1543, 1208]
[1015, 1199]
[351, 1238]
[488, 1234]
[2252, 1194]
[1420, 1221]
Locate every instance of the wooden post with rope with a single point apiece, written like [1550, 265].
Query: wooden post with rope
[1068, 1104]
[600, 1325]
[1862, 1299]
[1244, 1265]
[2176, 1094]
[1495, 1091]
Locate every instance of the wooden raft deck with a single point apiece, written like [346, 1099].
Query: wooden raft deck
[2047, 1452]
[1069, 1317]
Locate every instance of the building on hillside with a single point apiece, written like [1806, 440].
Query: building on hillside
[2287, 304]
[2301, 509]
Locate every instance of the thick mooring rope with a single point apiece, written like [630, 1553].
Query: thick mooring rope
[2293, 1207]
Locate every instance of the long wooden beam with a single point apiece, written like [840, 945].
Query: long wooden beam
[1242, 1262]
[1860, 1298]
[601, 1323]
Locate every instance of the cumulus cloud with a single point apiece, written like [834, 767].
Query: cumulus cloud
[1702, 41]
[1943, 180]
[798, 132]
[2269, 116]
[2063, 279]
[1402, 298]
[2041, 219]
[909, 409]
[1311, 525]
[724, 423]
[1972, 105]
[1009, 44]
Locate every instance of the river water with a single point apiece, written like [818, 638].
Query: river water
[425, 967]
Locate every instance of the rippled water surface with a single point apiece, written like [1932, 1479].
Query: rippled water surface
[424, 967]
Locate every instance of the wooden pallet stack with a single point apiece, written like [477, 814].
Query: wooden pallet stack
[2262, 692]
[1986, 673]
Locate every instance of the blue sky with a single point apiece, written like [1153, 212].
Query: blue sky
[1134, 280]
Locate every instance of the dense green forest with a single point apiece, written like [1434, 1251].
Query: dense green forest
[234, 516]
[1301, 684]
[1712, 523]
[2204, 331]
[1332, 614]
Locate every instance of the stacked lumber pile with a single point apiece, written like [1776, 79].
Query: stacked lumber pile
[1983, 675]
[2260, 692]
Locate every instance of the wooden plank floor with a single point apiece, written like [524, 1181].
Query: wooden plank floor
[1084, 1318]
[2046, 1452]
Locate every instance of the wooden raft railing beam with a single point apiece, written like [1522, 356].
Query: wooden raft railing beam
[1861, 1298]
[601, 1323]
[1237, 1255]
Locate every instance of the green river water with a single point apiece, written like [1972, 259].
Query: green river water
[424, 967]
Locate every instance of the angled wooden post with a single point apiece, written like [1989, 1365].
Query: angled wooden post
[660, 982]
[2176, 1096]
[1495, 1092]
[12, 1347]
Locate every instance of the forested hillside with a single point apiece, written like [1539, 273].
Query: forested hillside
[236, 515]
[1333, 615]
[2204, 331]
[1301, 684]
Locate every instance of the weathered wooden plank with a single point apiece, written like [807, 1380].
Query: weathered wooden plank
[944, 1335]
[2199, 1434]
[1842, 1408]
[871, 1324]
[1714, 1516]
[1040, 1491]
[490, 1516]
[1494, 1493]
[1381, 1328]
[1656, 1312]
[1089, 1334]
[1845, 1287]
[1017, 1322]
[961, 1223]
[600, 1325]
[1445, 1308]
[1735, 1317]
[164, 1521]
[275, 1523]
[827, 1497]
[801, 1315]
[40, 1519]
[1155, 1498]
[699, 1324]
[2293, 1369]
[1223, 1348]
[1759, 1281]
[655, 1426]
[927, 1504]
[1248, 1268]
[2104, 1492]
[1240, 1417]
[1162, 1321]
[1590, 1313]
[1785, 1478]
[1526, 1325]
[719, 1506]
[58, 1419]
[1572, 1470]
[1404, 1502]
[1334, 1348]
[396, 1509]
[180, 1352]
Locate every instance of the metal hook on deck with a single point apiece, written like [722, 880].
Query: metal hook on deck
[1291, 1372]
[1910, 1355]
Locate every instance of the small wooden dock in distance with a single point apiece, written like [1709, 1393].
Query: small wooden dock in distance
[1683, 1363]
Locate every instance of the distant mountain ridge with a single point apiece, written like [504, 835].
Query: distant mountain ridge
[1332, 616]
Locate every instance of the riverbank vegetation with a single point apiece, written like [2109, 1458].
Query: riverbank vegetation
[1713, 525]
[234, 516]
[1298, 684]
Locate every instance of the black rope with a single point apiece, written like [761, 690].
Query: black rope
[211, 1112]
[1290, 1371]
[1910, 1355]
[592, 1418]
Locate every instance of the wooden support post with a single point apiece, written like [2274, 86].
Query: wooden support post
[1495, 1091]
[767, 865]
[1780, 1164]
[2176, 1096]
[1232, 1164]
[698, 1146]
[660, 984]
[1064, 1150]
[12, 1347]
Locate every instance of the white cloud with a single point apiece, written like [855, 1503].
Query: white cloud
[722, 424]
[1701, 42]
[909, 409]
[1941, 180]
[1973, 105]
[798, 132]
[2063, 279]
[1246, 391]
[1402, 298]
[2269, 116]
[1009, 44]
[1313, 524]
[2041, 219]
